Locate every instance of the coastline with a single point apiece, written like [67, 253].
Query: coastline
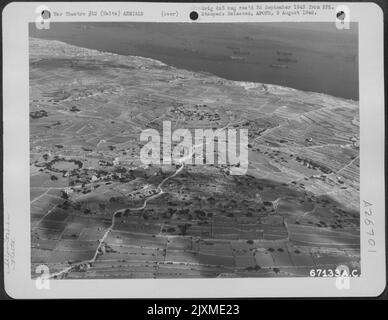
[248, 85]
[314, 60]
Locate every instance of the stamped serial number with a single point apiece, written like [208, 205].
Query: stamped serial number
[331, 273]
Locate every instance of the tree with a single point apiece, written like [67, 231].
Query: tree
[64, 195]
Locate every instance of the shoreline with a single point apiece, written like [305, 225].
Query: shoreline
[252, 84]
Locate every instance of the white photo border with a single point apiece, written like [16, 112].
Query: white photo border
[17, 248]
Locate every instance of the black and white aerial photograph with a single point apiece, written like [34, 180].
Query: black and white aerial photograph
[194, 150]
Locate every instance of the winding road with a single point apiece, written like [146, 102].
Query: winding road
[106, 233]
[181, 162]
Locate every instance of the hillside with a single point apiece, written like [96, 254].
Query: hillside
[97, 211]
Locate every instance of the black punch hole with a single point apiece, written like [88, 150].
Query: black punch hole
[46, 14]
[340, 15]
[193, 15]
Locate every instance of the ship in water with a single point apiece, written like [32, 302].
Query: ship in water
[235, 57]
[241, 53]
[283, 53]
[280, 66]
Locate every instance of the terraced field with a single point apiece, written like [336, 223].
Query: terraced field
[98, 212]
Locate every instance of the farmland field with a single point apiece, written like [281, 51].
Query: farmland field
[97, 211]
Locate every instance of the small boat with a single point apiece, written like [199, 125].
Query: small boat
[281, 66]
[283, 53]
[237, 58]
[241, 53]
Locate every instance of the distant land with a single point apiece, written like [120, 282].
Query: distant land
[306, 56]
